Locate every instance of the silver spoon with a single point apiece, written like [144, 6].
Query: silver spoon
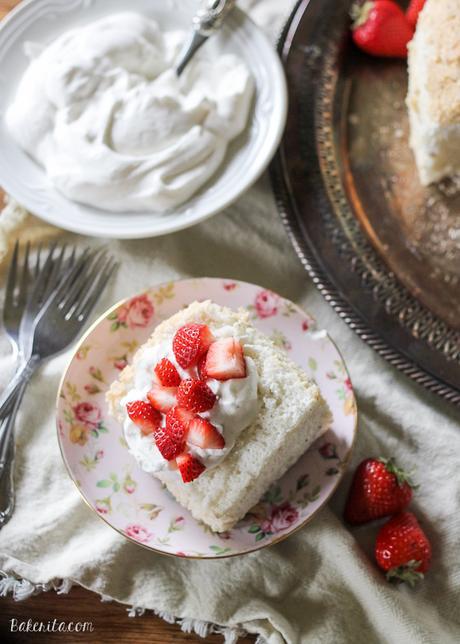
[206, 22]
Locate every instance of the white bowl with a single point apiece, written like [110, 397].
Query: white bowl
[248, 156]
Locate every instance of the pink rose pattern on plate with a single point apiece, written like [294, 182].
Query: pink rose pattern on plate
[132, 501]
[280, 518]
[266, 304]
[88, 414]
[135, 314]
[82, 418]
[139, 533]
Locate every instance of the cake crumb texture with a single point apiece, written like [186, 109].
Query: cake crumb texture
[439, 24]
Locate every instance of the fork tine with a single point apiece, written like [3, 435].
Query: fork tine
[52, 246]
[70, 277]
[42, 279]
[37, 260]
[12, 275]
[25, 268]
[47, 267]
[94, 292]
[82, 282]
[68, 262]
[89, 279]
[50, 265]
[56, 271]
[25, 277]
[71, 259]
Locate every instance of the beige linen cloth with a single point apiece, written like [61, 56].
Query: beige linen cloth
[321, 584]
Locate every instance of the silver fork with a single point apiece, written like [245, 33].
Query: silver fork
[53, 270]
[17, 287]
[20, 281]
[49, 332]
[59, 322]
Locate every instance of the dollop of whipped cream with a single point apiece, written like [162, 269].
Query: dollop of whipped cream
[236, 407]
[103, 111]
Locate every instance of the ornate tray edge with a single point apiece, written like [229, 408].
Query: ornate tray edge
[325, 286]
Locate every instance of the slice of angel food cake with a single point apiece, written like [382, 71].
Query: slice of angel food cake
[216, 411]
[433, 99]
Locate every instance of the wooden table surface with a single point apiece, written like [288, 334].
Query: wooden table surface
[110, 621]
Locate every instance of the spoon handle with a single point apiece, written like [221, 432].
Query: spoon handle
[206, 22]
[211, 15]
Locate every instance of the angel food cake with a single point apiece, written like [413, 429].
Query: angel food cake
[217, 412]
[434, 91]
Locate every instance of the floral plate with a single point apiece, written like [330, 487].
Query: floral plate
[135, 503]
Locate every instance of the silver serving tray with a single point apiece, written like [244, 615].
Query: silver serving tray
[383, 250]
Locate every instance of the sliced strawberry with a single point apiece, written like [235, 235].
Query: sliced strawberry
[167, 374]
[162, 398]
[144, 416]
[195, 395]
[177, 422]
[225, 360]
[190, 342]
[168, 447]
[189, 467]
[201, 366]
[203, 434]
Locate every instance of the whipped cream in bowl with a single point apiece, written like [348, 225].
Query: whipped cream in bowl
[103, 111]
[100, 137]
[235, 407]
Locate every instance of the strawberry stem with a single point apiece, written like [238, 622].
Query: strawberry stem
[360, 11]
[401, 476]
[406, 573]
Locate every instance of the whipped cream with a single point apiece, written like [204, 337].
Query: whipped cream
[235, 409]
[102, 110]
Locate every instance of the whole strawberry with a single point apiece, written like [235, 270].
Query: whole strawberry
[413, 11]
[379, 488]
[380, 28]
[402, 549]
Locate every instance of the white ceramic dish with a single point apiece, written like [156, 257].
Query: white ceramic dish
[248, 156]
